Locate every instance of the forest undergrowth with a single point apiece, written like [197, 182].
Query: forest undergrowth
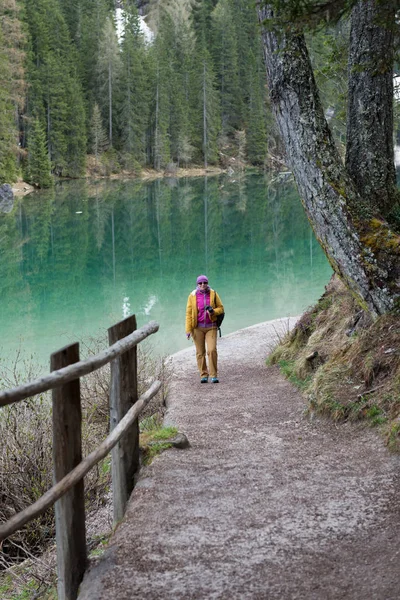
[346, 364]
[28, 558]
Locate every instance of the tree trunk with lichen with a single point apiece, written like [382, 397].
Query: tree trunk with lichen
[369, 149]
[360, 248]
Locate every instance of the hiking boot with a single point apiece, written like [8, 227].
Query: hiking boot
[204, 380]
[214, 380]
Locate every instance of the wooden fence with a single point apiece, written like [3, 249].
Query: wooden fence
[68, 467]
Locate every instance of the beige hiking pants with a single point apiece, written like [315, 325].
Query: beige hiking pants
[206, 336]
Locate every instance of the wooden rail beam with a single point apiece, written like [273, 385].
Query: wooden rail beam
[67, 454]
[84, 367]
[54, 493]
[123, 395]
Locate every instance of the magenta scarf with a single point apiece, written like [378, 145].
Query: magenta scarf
[202, 300]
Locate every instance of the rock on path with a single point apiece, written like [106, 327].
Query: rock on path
[265, 504]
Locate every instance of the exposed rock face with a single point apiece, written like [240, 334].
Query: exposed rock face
[6, 198]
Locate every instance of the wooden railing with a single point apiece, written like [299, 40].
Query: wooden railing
[69, 469]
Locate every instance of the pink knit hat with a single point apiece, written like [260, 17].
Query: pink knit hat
[202, 278]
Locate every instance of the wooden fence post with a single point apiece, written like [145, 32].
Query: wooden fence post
[123, 394]
[67, 454]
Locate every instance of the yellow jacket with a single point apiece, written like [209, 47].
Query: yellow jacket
[191, 309]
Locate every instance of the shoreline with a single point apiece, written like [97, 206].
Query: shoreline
[21, 188]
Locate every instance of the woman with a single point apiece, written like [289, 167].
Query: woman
[203, 307]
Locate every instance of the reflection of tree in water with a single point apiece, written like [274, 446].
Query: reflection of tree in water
[206, 224]
[101, 215]
[12, 282]
[205, 196]
[279, 195]
[141, 240]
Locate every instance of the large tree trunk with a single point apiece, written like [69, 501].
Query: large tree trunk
[370, 106]
[361, 250]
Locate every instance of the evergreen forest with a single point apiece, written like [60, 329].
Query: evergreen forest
[86, 85]
[82, 78]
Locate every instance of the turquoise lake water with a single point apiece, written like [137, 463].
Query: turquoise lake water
[83, 256]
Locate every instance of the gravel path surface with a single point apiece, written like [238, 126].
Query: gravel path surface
[265, 504]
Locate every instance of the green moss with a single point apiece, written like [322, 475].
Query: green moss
[165, 433]
[362, 409]
[6, 585]
[101, 542]
[15, 590]
[288, 368]
[297, 339]
[376, 416]
[393, 437]
[152, 450]
[378, 237]
[153, 440]
[396, 306]
[339, 189]
[329, 406]
[151, 423]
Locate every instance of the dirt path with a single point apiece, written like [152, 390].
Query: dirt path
[266, 504]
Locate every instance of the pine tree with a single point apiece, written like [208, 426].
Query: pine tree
[55, 92]
[170, 80]
[160, 109]
[174, 112]
[248, 44]
[225, 56]
[12, 87]
[255, 117]
[39, 166]
[72, 14]
[160, 117]
[134, 97]
[202, 11]
[7, 124]
[329, 52]
[92, 14]
[256, 120]
[76, 127]
[109, 65]
[208, 123]
[183, 60]
[99, 140]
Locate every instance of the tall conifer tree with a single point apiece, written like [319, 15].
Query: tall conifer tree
[12, 42]
[7, 122]
[208, 122]
[182, 114]
[202, 19]
[98, 136]
[39, 166]
[253, 115]
[134, 96]
[225, 56]
[109, 67]
[161, 102]
[55, 92]
[93, 14]
[256, 126]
